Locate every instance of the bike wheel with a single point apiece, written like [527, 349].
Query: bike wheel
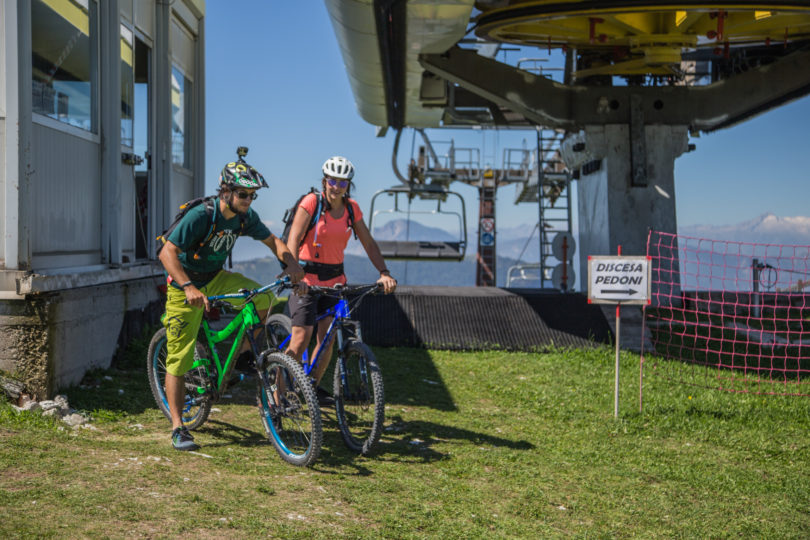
[359, 397]
[196, 406]
[289, 410]
[277, 331]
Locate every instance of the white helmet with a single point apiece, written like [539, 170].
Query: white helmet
[338, 167]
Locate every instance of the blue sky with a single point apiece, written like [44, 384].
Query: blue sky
[275, 82]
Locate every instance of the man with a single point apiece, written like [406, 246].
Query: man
[193, 256]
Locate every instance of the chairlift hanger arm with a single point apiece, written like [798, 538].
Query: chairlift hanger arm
[394, 158]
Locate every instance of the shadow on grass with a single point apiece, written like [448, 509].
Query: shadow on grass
[412, 441]
[121, 392]
[410, 378]
[228, 434]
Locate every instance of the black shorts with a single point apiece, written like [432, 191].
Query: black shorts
[304, 309]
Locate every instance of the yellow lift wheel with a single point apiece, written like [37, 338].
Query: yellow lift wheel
[645, 38]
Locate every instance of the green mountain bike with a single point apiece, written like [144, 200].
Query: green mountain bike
[286, 400]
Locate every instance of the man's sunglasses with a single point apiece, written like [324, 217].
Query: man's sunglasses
[335, 182]
[246, 195]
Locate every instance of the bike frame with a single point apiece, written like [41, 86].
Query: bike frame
[341, 313]
[245, 323]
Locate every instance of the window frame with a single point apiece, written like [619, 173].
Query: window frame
[93, 134]
[131, 28]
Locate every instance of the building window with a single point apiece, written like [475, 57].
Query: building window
[64, 40]
[181, 118]
[127, 84]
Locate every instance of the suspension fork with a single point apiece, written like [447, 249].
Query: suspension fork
[341, 357]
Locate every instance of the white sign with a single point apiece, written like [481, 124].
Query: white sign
[618, 279]
[488, 224]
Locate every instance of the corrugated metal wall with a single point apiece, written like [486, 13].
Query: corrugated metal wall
[66, 192]
[2, 190]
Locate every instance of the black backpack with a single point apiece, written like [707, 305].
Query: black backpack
[289, 215]
[211, 215]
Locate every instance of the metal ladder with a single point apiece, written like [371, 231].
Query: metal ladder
[548, 186]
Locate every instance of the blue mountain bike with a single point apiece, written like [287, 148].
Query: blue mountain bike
[357, 382]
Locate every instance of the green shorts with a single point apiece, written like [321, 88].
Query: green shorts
[182, 321]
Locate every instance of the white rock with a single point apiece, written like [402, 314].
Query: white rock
[74, 419]
[48, 404]
[61, 401]
[31, 405]
[53, 412]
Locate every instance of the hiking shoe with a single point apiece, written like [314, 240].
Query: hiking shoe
[324, 398]
[182, 440]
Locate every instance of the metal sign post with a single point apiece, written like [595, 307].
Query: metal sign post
[618, 280]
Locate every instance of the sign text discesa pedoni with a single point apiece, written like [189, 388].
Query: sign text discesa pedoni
[618, 279]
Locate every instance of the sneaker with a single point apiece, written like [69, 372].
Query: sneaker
[182, 440]
[324, 398]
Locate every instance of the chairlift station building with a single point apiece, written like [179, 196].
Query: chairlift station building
[101, 138]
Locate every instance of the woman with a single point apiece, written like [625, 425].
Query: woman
[320, 250]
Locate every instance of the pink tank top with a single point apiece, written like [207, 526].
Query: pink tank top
[333, 236]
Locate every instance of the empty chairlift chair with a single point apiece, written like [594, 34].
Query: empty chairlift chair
[428, 249]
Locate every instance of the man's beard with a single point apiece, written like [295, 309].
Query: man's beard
[229, 202]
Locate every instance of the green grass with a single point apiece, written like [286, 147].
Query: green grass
[477, 445]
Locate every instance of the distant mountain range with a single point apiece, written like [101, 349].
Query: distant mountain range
[766, 229]
[360, 270]
[400, 229]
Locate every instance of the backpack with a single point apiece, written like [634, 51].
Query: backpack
[289, 215]
[210, 214]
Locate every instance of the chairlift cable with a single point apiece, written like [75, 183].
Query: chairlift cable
[531, 234]
[408, 225]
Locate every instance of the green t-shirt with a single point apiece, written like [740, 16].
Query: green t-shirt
[195, 226]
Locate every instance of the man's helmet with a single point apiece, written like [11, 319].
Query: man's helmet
[338, 167]
[240, 174]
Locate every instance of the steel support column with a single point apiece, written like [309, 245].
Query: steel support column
[486, 267]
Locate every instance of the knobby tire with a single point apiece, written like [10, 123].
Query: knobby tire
[292, 422]
[360, 404]
[196, 407]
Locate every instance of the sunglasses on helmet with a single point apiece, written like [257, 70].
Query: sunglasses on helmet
[335, 182]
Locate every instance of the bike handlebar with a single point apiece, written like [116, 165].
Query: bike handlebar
[250, 293]
[342, 290]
